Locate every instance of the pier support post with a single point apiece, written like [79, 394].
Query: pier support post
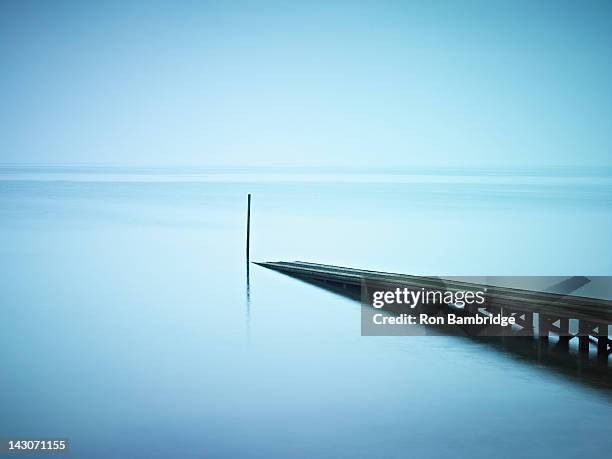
[528, 324]
[602, 343]
[543, 327]
[583, 337]
[564, 333]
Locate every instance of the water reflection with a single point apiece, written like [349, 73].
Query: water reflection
[550, 354]
[248, 303]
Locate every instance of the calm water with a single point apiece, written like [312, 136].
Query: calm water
[126, 327]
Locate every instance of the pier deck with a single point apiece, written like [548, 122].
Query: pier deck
[541, 313]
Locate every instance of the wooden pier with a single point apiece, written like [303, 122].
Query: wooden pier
[539, 314]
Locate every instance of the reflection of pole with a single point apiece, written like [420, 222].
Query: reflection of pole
[248, 308]
[248, 241]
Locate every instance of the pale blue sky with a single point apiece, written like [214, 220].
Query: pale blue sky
[458, 83]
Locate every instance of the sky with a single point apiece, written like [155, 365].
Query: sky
[431, 83]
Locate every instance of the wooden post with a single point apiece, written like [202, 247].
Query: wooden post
[248, 237]
[527, 324]
[602, 343]
[583, 337]
[543, 327]
[564, 332]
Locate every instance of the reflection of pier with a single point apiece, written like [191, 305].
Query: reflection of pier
[558, 330]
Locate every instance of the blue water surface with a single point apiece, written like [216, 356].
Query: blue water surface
[126, 325]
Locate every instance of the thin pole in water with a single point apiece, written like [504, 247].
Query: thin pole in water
[248, 237]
